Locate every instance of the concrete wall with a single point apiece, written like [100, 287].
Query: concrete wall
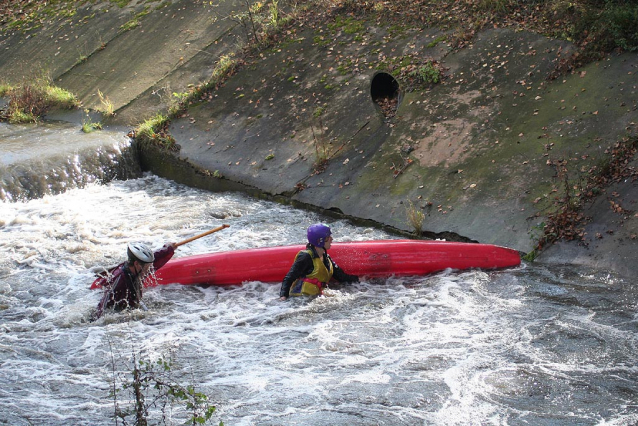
[477, 152]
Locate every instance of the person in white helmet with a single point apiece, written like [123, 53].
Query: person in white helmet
[123, 284]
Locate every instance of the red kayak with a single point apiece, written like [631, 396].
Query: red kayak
[380, 258]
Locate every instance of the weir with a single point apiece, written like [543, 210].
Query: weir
[44, 159]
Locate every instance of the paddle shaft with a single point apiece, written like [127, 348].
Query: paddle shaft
[219, 228]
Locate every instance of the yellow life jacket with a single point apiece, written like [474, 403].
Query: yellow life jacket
[313, 283]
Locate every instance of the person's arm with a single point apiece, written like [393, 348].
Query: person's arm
[300, 268]
[163, 255]
[340, 275]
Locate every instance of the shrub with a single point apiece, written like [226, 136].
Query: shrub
[26, 104]
[151, 391]
[622, 26]
[30, 101]
[427, 73]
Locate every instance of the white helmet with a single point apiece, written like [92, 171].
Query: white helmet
[140, 252]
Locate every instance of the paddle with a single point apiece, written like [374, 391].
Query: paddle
[101, 277]
[188, 240]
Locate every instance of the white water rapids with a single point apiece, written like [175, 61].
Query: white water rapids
[528, 346]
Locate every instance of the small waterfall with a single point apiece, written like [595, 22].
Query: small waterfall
[37, 160]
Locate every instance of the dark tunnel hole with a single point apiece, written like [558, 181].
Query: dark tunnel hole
[386, 93]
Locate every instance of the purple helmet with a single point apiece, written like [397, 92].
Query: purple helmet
[317, 234]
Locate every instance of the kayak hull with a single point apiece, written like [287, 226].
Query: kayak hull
[380, 258]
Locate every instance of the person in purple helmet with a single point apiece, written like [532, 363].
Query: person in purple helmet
[313, 268]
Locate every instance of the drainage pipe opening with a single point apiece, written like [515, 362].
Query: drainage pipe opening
[386, 93]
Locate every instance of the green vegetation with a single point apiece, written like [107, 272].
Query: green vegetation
[29, 101]
[149, 128]
[155, 130]
[135, 22]
[4, 90]
[412, 70]
[566, 221]
[320, 40]
[89, 125]
[81, 59]
[436, 41]
[60, 98]
[322, 149]
[427, 73]
[262, 25]
[612, 27]
[121, 3]
[318, 112]
[348, 25]
[178, 103]
[273, 19]
[29, 15]
[151, 390]
[226, 66]
[497, 6]
[415, 217]
[107, 106]
[595, 26]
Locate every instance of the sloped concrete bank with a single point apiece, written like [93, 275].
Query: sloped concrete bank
[475, 153]
[478, 153]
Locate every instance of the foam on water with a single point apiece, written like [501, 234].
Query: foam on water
[531, 345]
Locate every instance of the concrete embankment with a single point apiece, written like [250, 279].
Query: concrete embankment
[486, 153]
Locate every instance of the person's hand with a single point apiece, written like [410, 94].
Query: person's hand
[283, 298]
[174, 245]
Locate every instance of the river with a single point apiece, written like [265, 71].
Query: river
[533, 345]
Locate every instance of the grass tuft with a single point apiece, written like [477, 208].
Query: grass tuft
[4, 90]
[107, 106]
[155, 131]
[89, 126]
[415, 217]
